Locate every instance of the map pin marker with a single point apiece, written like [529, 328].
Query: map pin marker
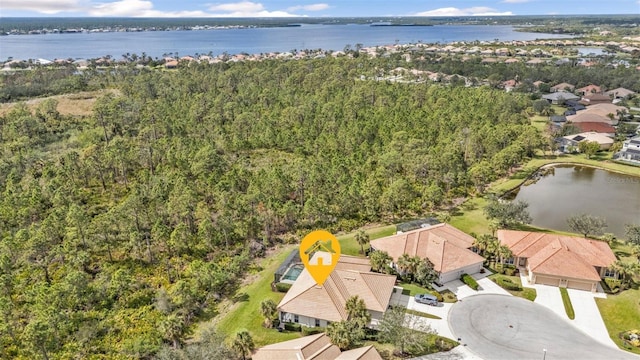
[319, 252]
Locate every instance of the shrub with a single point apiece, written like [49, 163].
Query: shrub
[312, 330]
[467, 279]
[613, 284]
[508, 284]
[510, 272]
[283, 287]
[292, 327]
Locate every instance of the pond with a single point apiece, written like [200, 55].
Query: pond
[584, 51]
[569, 190]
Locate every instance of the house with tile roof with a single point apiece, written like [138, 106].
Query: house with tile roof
[310, 304]
[592, 99]
[589, 89]
[570, 143]
[558, 260]
[620, 93]
[598, 127]
[313, 347]
[562, 87]
[448, 248]
[559, 97]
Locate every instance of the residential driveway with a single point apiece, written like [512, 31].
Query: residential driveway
[549, 297]
[588, 318]
[505, 327]
[487, 286]
[442, 310]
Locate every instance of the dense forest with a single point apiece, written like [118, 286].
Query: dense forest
[119, 230]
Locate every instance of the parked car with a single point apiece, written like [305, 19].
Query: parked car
[427, 299]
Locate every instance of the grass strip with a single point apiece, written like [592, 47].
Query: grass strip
[422, 314]
[568, 307]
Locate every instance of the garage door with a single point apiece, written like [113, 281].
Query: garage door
[579, 285]
[547, 281]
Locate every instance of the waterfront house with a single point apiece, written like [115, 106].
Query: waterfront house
[630, 151]
[570, 143]
[558, 260]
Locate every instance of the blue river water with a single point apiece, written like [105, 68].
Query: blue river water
[247, 40]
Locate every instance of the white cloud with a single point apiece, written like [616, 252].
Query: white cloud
[245, 9]
[472, 11]
[310, 7]
[42, 6]
[143, 8]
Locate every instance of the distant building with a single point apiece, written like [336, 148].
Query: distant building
[559, 97]
[589, 89]
[620, 93]
[630, 151]
[563, 87]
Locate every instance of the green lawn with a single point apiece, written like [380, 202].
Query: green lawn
[422, 314]
[525, 293]
[470, 218]
[621, 313]
[566, 300]
[413, 289]
[245, 314]
[349, 246]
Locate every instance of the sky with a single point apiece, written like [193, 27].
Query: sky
[311, 8]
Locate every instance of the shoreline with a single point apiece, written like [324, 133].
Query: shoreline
[553, 164]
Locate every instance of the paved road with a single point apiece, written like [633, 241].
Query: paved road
[506, 327]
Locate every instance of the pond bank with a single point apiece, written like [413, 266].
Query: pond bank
[530, 169]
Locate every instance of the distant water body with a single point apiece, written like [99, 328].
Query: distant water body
[248, 40]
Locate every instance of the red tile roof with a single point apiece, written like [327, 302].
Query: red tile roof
[598, 127]
[444, 245]
[559, 255]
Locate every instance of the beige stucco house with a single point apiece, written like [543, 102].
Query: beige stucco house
[309, 304]
[558, 260]
[448, 248]
[313, 347]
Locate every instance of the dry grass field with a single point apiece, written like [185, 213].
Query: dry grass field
[77, 104]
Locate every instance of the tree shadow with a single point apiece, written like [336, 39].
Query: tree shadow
[241, 297]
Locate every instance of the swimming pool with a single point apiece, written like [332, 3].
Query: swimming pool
[292, 273]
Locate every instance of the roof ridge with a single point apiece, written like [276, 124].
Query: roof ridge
[320, 351]
[334, 295]
[547, 258]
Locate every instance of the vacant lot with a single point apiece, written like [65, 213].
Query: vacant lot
[78, 104]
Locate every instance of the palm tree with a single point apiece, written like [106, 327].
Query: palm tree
[268, 309]
[492, 248]
[357, 311]
[627, 271]
[363, 239]
[403, 264]
[503, 252]
[481, 243]
[243, 343]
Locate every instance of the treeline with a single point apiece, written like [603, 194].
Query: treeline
[120, 230]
